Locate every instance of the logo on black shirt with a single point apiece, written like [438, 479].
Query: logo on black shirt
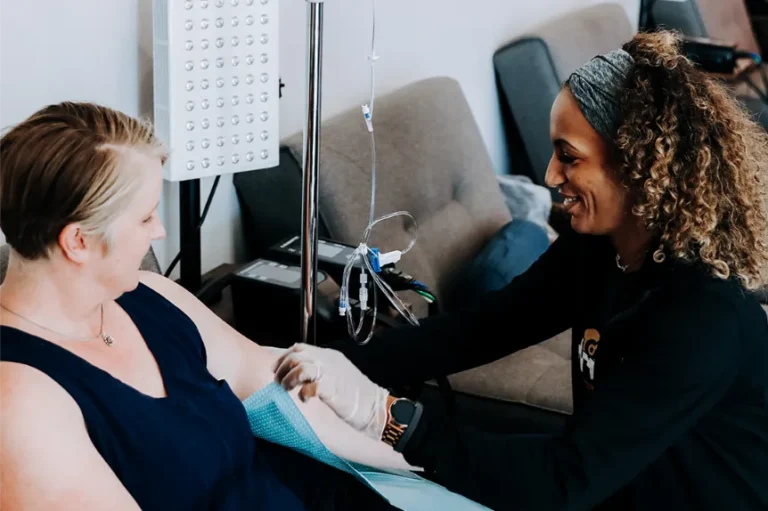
[587, 351]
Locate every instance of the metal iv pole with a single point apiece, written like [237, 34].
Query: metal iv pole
[311, 171]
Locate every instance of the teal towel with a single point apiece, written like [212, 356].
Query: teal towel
[274, 417]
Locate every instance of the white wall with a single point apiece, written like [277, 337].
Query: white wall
[100, 50]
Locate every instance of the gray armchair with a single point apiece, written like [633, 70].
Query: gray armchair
[431, 162]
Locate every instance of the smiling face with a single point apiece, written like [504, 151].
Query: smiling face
[584, 171]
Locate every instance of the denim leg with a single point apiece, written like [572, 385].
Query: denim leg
[511, 251]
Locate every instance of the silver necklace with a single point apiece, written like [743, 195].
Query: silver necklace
[618, 263]
[625, 267]
[108, 339]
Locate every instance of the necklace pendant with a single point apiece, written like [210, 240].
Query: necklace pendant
[108, 339]
[624, 267]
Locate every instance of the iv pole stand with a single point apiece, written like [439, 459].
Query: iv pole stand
[189, 242]
[310, 172]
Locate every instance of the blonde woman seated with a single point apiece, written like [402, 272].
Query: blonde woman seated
[119, 389]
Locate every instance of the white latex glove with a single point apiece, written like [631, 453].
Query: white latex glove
[277, 352]
[328, 374]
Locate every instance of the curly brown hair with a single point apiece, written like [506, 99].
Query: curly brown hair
[695, 162]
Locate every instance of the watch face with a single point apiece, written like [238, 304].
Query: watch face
[402, 411]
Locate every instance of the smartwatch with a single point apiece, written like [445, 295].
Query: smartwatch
[403, 417]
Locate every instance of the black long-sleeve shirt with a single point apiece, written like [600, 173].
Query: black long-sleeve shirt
[670, 384]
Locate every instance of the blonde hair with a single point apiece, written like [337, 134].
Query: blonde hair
[62, 166]
[695, 162]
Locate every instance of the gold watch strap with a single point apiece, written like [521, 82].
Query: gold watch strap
[392, 433]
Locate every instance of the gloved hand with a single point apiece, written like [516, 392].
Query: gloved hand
[329, 375]
[276, 352]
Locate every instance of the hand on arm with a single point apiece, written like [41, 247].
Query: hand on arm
[248, 367]
[48, 460]
[345, 441]
[348, 401]
[339, 384]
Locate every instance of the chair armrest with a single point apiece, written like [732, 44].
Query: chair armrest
[214, 282]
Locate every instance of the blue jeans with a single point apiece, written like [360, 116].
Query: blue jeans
[509, 253]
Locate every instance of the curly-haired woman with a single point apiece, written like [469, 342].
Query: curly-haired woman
[663, 176]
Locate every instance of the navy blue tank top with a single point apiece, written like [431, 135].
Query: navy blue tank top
[190, 450]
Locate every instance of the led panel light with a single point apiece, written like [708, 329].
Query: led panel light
[216, 85]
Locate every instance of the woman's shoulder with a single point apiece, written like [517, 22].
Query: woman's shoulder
[692, 278]
[167, 290]
[30, 395]
[160, 287]
[158, 293]
[47, 453]
[690, 290]
[167, 301]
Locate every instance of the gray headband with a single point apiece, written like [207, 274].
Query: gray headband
[597, 87]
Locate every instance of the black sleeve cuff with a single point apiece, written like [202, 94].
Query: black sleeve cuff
[375, 364]
[400, 445]
[421, 449]
[351, 351]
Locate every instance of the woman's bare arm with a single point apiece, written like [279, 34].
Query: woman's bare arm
[48, 460]
[247, 367]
